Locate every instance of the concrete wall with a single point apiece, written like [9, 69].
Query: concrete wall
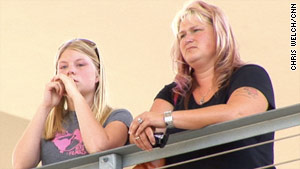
[12, 128]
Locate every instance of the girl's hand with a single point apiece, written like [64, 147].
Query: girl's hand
[69, 84]
[53, 93]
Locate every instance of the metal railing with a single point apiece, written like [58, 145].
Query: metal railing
[188, 141]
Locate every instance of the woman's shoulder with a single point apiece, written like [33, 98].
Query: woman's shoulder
[249, 70]
[250, 67]
[255, 76]
[170, 85]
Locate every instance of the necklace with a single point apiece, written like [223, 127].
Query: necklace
[203, 97]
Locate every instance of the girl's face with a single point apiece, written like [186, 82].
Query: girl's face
[197, 41]
[80, 68]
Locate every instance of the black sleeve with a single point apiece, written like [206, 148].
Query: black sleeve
[253, 76]
[166, 93]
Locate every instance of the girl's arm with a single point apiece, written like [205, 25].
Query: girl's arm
[94, 136]
[27, 151]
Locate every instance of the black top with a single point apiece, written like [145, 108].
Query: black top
[248, 75]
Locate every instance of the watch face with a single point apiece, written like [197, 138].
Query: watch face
[160, 139]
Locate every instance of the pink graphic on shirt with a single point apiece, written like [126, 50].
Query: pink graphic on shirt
[70, 143]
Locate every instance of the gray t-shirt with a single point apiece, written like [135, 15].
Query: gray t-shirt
[69, 144]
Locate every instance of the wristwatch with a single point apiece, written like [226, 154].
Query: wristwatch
[168, 119]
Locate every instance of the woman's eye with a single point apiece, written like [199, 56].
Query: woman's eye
[80, 64]
[197, 30]
[180, 36]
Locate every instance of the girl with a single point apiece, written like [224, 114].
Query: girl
[73, 119]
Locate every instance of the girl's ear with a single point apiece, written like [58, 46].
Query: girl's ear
[97, 78]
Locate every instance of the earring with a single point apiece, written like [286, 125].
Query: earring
[65, 105]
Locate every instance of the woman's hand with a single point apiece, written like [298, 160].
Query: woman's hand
[142, 127]
[146, 119]
[145, 140]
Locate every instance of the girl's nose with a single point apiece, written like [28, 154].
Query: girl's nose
[71, 70]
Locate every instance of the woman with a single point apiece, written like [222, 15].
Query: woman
[73, 119]
[212, 85]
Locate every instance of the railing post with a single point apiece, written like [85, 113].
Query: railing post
[111, 161]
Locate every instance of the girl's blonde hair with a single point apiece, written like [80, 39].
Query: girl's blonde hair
[54, 122]
[228, 58]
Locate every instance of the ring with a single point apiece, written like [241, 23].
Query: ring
[140, 120]
[138, 137]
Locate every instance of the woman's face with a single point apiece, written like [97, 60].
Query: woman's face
[197, 41]
[80, 68]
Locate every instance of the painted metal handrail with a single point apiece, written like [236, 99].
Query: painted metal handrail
[187, 141]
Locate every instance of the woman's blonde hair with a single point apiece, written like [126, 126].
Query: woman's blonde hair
[228, 58]
[54, 122]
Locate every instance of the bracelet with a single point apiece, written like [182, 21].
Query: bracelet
[168, 119]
